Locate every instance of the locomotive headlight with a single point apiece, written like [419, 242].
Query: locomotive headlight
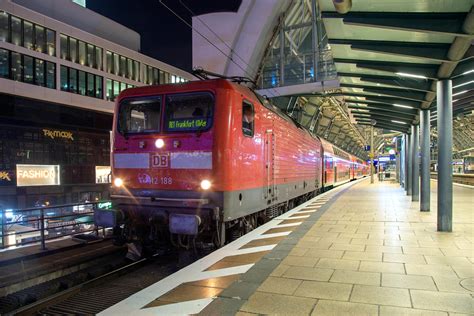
[118, 182]
[159, 143]
[205, 184]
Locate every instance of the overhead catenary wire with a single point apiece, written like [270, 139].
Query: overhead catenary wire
[200, 34]
[207, 39]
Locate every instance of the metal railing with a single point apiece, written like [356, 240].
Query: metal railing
[41, 224]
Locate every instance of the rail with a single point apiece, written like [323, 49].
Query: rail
[21, 227]
[467, 179]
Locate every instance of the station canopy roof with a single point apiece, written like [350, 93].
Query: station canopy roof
[390, 54]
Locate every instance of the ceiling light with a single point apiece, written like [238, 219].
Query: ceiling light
[399, 122]
[403, 106]
[463, 84]
[404, 74]
[467, 72]
[461, 92]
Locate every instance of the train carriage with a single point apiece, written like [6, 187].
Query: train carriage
[210, 159]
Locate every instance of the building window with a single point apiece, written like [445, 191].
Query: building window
[122, 66]
[114, 88]
[39, 73]
[28, 35]
[27, 69]
[4, 63]
[40, 39]
[72, 80]
[98, 58]
[15, 66]
[64, 79]
[15, 31]
[81, 82]
[3, 26]
[99, 81]
[50, 42]
[82, 53]
[90, 56]
[73, 50]
[50, 75]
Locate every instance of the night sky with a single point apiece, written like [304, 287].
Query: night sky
[163, 35]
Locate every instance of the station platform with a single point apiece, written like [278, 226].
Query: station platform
[359, 249]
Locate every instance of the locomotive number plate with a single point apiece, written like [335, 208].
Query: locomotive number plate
[160, 161]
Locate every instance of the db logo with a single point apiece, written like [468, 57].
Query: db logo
[160, 161]
[144, 178]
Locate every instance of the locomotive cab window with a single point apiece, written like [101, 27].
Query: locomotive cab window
[189, 112]
[248, 116]
[141, 115]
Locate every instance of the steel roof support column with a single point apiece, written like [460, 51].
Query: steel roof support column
[372, 154]
[405, 162]
[425, 160]
[445, 153]
[416, 164]
[410, 162]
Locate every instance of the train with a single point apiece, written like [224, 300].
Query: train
[210, 160]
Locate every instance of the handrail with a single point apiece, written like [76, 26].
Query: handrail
[44, 223]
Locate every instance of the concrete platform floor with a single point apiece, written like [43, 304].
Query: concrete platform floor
[373, 253]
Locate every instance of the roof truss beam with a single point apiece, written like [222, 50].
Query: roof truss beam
[419, 22]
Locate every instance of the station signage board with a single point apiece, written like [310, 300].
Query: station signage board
[103, 174]
[34, 175]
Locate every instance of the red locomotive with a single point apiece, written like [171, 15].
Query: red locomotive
[211, 158]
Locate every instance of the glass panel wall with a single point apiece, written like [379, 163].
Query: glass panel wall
[81, 52]
[81, 82]
[114, 88]
[27, 69]
[27, 34]
[155, 76]
[122, 66]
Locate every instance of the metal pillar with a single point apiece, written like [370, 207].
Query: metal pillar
[372, 154]
[445, 155]
[416, 165]
[409, 162]
[405, 162]
[425, 160]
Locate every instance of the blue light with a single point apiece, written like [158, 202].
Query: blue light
[311, 72]
[274, 81]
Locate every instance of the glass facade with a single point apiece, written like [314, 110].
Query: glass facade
[27, 69]
[114, 88]
[81, 82]
[122, 66]
[155, 76]
[80, 52]
[27, 34]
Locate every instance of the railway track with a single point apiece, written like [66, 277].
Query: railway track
[97, 294]
[467, 179]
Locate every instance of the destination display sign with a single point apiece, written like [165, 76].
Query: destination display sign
[188, 124]
[33, 175]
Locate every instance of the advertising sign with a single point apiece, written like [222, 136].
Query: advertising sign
[7, 177]
[102, 174]
[32, 175]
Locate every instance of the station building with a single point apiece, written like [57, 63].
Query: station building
[61, 67]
